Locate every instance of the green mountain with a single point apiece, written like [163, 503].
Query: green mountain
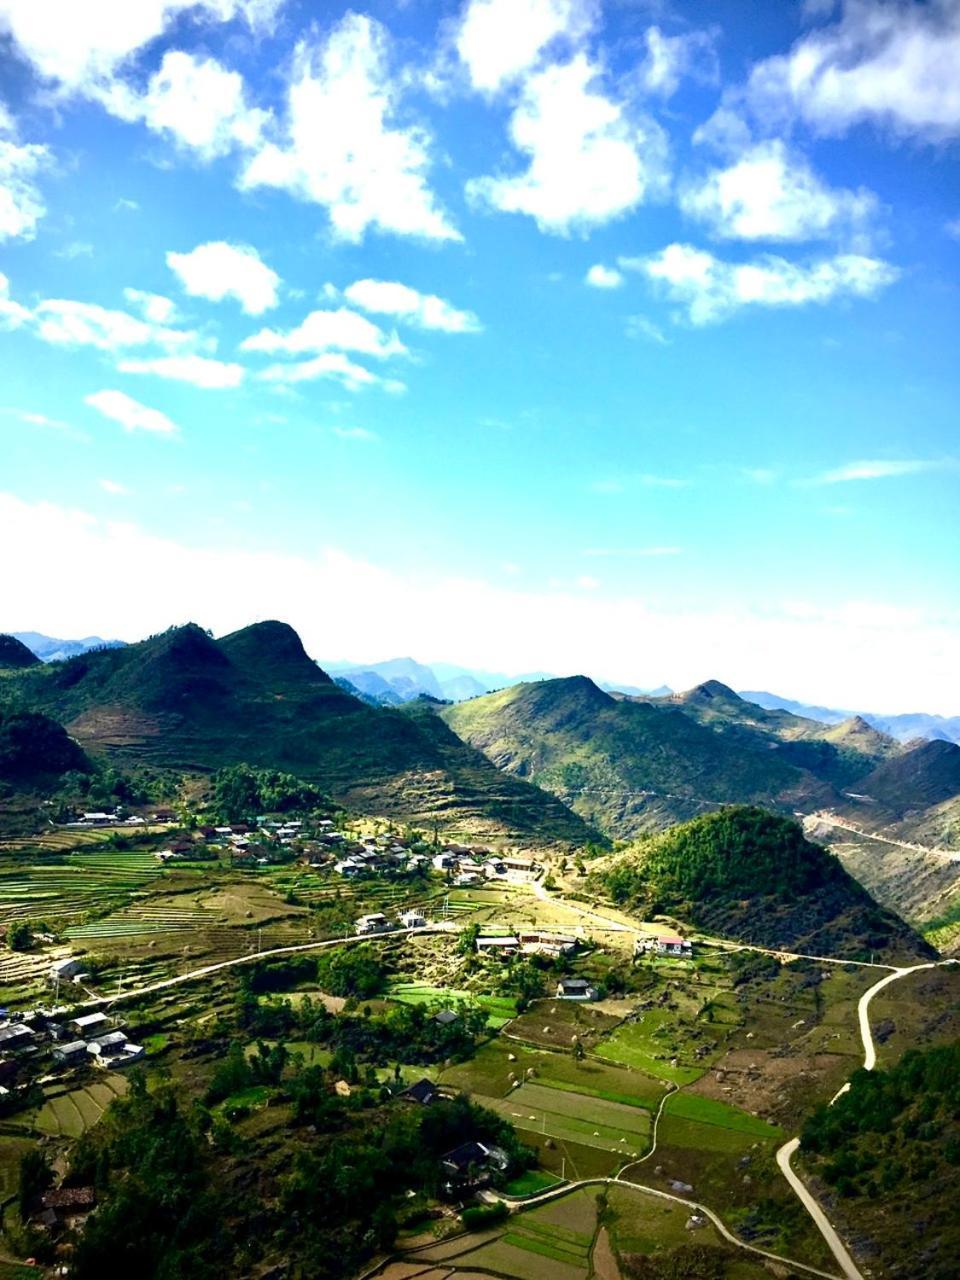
[14, 654]
[185, 701]
[925, 776]
[35, 750]
[749, 874]
[630, 765]
[887, 1151]
[836, 753]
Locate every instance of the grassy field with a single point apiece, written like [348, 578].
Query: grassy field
[590, 1122]
[707, 1111]
[499, 1009]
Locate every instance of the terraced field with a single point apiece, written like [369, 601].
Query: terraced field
[69, 1113]
[69, 885]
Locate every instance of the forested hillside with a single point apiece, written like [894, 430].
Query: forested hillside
[748, 874]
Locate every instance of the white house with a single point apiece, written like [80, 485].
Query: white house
[65, 970]
[413, 919]
[376, 922]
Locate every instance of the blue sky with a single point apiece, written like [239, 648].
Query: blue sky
[523, 333]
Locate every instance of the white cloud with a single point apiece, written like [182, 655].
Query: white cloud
[340, 330]
[601, 277]
[154, 307]
[848, 652]
[114, 488]
[194, 100]
[355, 433]
[884, 468]
[131, 414]
[591, 158]
[199, 371]
[68, 323]
[333, 365]
[669, 59]
[500, 40]
[952, 228]
[21, 205]
[83, 46]
[12, 314]
[347, 147]
[425, 310]
[644, 327]
[772, 193]
[218, 270]
[711, 289]
[887, 62]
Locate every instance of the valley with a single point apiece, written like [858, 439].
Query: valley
[578, 937]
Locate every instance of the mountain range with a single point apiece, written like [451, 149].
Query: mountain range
[632, 764]
[184, 701]
[398, 680]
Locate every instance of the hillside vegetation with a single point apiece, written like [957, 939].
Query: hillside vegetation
[748, 874]
[630, 765]
[184, 701]
[890, 1151]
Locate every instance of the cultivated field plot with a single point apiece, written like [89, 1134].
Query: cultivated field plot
[720, 1115]
[69, 1113]
[590, 1122]
[68, 886]
[638, 1045]
[556, 1024]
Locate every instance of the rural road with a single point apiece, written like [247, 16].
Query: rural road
[950, 854]
[251, 958]
[825, 1227]
[787, 1151]
[619, 1181]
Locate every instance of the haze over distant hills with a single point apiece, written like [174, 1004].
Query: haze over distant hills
[918, 724]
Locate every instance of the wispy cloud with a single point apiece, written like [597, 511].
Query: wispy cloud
[884, 468]
[114, 488]
[642, 327]
[355, 433]
[631, 553]
[646, 479]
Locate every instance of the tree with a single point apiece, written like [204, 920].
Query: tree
[35, 1176]
[20, 936]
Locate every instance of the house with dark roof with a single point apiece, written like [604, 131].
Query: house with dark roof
[424, 1092]
[576, 989]
[470, 1166]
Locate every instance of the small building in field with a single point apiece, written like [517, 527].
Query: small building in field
[536, 942]
[664, 944]
[413, 919]
[445, 1017]
[444, 862]
[576, 989]
[65, 970]
[498, 946]
[423, 1092]
[376, 922]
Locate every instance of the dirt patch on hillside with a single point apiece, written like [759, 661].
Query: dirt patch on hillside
[604, 1261]
[776, 1087]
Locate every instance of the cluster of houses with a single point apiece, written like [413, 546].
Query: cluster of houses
[73, 1041]
[468, 866]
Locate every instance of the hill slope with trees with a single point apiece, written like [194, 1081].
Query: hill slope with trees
[751, 875]
[630, 765]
